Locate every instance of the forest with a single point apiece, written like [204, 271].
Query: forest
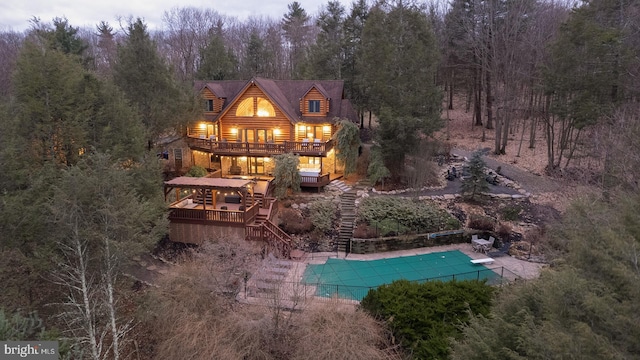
[81, 110]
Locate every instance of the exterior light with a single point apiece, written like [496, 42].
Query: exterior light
[276, 131]
[203, 126]
[326, 128]
[234, 130]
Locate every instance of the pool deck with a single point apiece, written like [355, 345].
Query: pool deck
[524, 269]
[286, 291]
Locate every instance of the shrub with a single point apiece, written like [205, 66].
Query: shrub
[425, 316]
[504, 231]
[408, 215]
[197, 171]
[480, 222]
[322, 214]
[292, 222]
[286, 175]
[511, 212]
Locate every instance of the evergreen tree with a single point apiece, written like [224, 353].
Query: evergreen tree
[55, 104]
[476, 180]
[286, 174]
[216, 61]
[398, 63]
[296, 31]
[586, 305]
[106, 49]
[347, 144]
[63, 37]
[253, 62]
[146, 81]
[326, 56]
[584, 78]
[353, 27]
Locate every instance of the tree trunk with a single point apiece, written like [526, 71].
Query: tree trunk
[489, 96]
[478, 96]
[451, 90]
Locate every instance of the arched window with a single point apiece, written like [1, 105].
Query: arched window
[245, 108]
[265, 109]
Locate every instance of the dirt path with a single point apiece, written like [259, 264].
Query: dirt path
[535, 184]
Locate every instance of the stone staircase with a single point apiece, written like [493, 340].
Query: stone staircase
[270, 277]
[340, 185]
[347, 220]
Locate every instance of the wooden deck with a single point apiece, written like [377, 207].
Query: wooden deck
[224, 148]
[315, 181]
[197, 213]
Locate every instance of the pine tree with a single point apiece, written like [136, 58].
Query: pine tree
[326, 55]
[296, 31]
[398, 62]
[147, 83]
[217, 62]
[476, 182]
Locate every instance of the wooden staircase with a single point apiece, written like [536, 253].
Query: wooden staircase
[278, 241]
[262, 229]
[347, 220]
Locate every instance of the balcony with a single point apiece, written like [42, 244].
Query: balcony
[225, 215]
[314, 181]
[233, 148]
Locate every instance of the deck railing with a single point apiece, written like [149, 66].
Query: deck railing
[315, 181]
[215, 216]
[231, 148]
[272, 235]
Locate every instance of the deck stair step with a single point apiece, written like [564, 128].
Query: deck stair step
[271, 277]
[339, 184]
[264, 286]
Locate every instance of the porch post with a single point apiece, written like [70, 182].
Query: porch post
[204, 199]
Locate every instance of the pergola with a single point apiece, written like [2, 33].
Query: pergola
[213, 185]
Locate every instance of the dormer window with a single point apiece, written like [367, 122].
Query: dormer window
[314, 106]
[208, 105]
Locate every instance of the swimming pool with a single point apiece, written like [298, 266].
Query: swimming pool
[352, 279]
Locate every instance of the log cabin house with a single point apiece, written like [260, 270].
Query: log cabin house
[245, 124]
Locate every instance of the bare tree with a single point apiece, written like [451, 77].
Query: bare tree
[10, 44]
[186, 34]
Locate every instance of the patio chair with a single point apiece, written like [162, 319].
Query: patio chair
[474, 244]
[490, 244]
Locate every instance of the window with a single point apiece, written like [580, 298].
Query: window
[208, 105]
[265, 109]
[245, 108]
[314, 106]
[260, 107]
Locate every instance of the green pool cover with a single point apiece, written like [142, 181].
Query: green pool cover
[352, 279]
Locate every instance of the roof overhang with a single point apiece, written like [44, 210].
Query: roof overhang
[186, 182]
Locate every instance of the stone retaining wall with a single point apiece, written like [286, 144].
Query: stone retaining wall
[406, 242]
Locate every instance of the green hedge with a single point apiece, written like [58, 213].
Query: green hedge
[424, 317]
[417, 216]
